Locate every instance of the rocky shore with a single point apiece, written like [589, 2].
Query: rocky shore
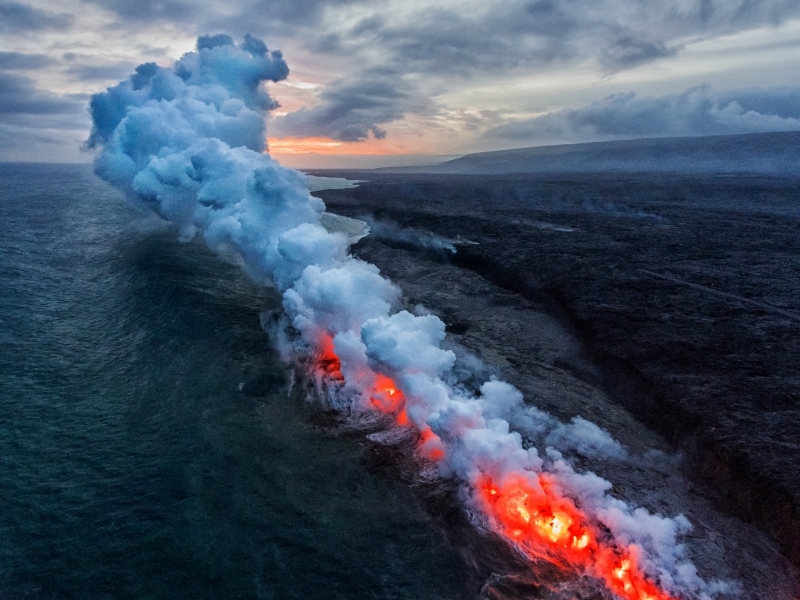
[659, 307]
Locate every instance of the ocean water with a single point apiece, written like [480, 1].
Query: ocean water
[149, 444]
[316, 183]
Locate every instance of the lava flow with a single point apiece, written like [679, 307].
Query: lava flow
[530, 515]
[327, 362]
[384, 396]
[544, 525]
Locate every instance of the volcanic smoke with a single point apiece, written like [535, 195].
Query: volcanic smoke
[188, 143]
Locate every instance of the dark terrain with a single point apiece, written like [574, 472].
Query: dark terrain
[771, 154]
[682, 291]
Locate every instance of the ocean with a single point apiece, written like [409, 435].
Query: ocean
[151, 443]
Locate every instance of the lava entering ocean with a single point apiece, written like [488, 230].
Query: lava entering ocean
[524, 508]
[187, 143]
[544, 525]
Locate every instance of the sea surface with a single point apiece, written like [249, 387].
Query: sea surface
[150, 443]
[316, 184]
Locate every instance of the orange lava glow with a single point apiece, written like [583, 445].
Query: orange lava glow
[327, 359]
[385, 396]
[544, 525]
[430, 446]
[526, 509]
[402, 418]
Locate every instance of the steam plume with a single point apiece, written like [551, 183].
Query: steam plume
[188, 143]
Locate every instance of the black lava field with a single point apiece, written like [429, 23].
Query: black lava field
[676, 296]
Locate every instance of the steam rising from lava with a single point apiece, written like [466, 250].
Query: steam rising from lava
[187, 142]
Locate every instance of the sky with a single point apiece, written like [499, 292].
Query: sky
[379, 82]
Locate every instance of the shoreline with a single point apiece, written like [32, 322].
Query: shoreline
[644, 394]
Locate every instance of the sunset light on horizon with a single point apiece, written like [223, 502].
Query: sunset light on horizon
[421, 81]
[327, 146]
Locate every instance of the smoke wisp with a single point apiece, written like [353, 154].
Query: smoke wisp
[389, 231]
[188, 143]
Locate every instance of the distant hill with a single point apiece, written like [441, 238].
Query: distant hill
[756, 153]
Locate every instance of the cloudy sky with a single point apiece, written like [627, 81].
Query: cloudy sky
[380, 81]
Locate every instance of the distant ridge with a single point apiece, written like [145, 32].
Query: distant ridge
[756, 153]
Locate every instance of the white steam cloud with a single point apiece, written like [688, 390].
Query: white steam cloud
[188, 143]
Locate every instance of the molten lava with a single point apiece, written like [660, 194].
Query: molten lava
[328, 361]
[430, 445]
[524, 508]
[544, 525]
[385, 396]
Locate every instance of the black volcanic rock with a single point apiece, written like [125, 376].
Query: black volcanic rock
[679, 290]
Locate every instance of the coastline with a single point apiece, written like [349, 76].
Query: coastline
[576, 295]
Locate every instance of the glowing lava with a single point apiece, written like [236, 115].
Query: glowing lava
[328, 361]
[524, 508]
[544, 525]
[384, 396]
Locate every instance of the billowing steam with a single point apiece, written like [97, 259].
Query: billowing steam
[188, 143]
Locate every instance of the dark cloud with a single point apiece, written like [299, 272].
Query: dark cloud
[150, 50]
[327, 44]
[628, 51]
[519, 35]
[295, 11]
[19, 96]
[696, 111]
[84, 67]
[368, 25]
[115, 71]
[351, 109]
[18, 61]
[545, 18]
[158, 10]
[236, 16]
[456, 42]
[424, 50]
[19, 18]
[617, 34]
[306, 20]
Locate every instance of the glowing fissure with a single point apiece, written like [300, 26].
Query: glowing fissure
[187, 142]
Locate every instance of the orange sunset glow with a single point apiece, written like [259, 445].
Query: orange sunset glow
[327, 146]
